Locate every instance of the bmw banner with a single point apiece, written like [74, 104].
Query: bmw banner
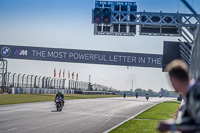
[81, 56]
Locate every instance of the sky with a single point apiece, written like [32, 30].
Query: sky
[68, 24]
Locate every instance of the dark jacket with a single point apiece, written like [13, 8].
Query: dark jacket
[60, 95]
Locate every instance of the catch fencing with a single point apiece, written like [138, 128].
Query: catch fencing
[33, 81]
[34, 84]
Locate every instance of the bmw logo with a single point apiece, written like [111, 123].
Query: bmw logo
[5, 51]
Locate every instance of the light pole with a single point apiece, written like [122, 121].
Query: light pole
[39, 82]
[8, 79]
[133, 78]
[23, 80]
[81, 83]
[76, 84]
[31, 80]
[43, 82]
[63, 83]
[49, 82]
[27, 80]
[69, 86]
[55, 83]
[35, 81]
[14, 79]
[89, 78]
[58, 84]
[46, 80]
[89, 85]
[18, 80]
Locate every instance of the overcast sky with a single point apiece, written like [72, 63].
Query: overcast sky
[67, 24]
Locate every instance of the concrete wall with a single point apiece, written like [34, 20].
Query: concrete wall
[39, 91]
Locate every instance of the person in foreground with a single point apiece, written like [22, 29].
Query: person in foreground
[190, 89]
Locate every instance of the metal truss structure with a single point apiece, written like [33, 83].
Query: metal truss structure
[124, 21]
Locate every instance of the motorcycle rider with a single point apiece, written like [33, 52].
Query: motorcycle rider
[136, 94]
[147, 96]
[124, 95]
[59, 94]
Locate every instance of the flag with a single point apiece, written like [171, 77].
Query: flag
[64, 73]
[60, 73]
[77, 76]
[73, 75]
[69, 74]
[54, 72]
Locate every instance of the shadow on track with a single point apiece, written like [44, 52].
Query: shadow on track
[55, 111]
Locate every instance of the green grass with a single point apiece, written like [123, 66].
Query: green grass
[147, 121]
[160, 111]
[137, 126]
[29, 98]
[23, 98]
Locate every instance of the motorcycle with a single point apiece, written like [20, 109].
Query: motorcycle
[124, 95]
[59, 103]
[160, 96]
[147, 97]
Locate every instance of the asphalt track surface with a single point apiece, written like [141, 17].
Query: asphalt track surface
[78, 116]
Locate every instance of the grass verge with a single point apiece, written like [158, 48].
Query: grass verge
[147, 121]
[161, 111]
[29, 98]
[137, 126]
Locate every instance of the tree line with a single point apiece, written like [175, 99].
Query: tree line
[163, 92]
[142, 92]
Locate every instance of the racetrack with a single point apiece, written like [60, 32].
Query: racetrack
[78, 116]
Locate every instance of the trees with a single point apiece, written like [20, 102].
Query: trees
[152, 93]
[164, 92]
[143, 92]
[140, 91]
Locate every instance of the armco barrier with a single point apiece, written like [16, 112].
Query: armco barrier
[39, 91]
[31, 91]
[21, 90]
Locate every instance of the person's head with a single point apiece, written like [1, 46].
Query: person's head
[59, 92]
[179, 75]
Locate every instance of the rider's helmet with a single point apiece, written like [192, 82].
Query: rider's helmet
[59, 92]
